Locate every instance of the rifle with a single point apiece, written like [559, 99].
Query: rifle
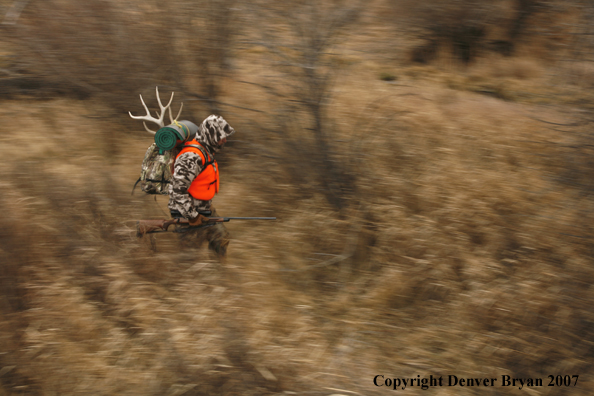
[155, 226]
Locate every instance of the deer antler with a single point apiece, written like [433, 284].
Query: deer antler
[172, 120]
[160, 116]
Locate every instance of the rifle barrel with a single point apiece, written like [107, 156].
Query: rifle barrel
[250, 218]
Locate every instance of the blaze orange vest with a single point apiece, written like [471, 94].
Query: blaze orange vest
[206, 183]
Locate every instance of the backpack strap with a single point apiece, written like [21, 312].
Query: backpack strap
[208, 158]
[135, 184]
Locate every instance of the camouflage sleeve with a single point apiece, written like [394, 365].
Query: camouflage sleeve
[186, 167]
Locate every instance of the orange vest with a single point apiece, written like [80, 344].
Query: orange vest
[206, 184]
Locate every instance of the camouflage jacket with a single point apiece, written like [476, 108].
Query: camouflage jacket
[188, 165]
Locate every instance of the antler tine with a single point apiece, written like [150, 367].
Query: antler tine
[146, 108]
[161, 104]
[147, 128]
[144, 105]
[171, 119]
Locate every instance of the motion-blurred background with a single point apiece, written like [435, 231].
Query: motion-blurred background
[430, 164]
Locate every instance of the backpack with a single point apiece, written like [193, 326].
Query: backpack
[156, 170]
[157, 166]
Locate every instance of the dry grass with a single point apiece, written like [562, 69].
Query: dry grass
[466, 248]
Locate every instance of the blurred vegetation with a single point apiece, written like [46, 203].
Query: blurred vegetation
[429, 162]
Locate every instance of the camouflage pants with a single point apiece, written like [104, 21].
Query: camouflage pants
[217, 236]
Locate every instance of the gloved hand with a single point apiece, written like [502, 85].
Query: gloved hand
[199, 220]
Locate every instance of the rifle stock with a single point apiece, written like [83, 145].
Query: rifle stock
[152, 226]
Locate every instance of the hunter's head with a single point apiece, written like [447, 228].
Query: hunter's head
[214, 131]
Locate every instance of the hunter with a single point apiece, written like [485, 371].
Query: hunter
[195, 182]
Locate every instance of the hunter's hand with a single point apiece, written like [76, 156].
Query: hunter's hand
[196, 221]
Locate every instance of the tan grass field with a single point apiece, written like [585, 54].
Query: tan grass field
[465, 246]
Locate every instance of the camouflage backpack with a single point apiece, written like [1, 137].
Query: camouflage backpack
[156, 170]
[157, 167]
